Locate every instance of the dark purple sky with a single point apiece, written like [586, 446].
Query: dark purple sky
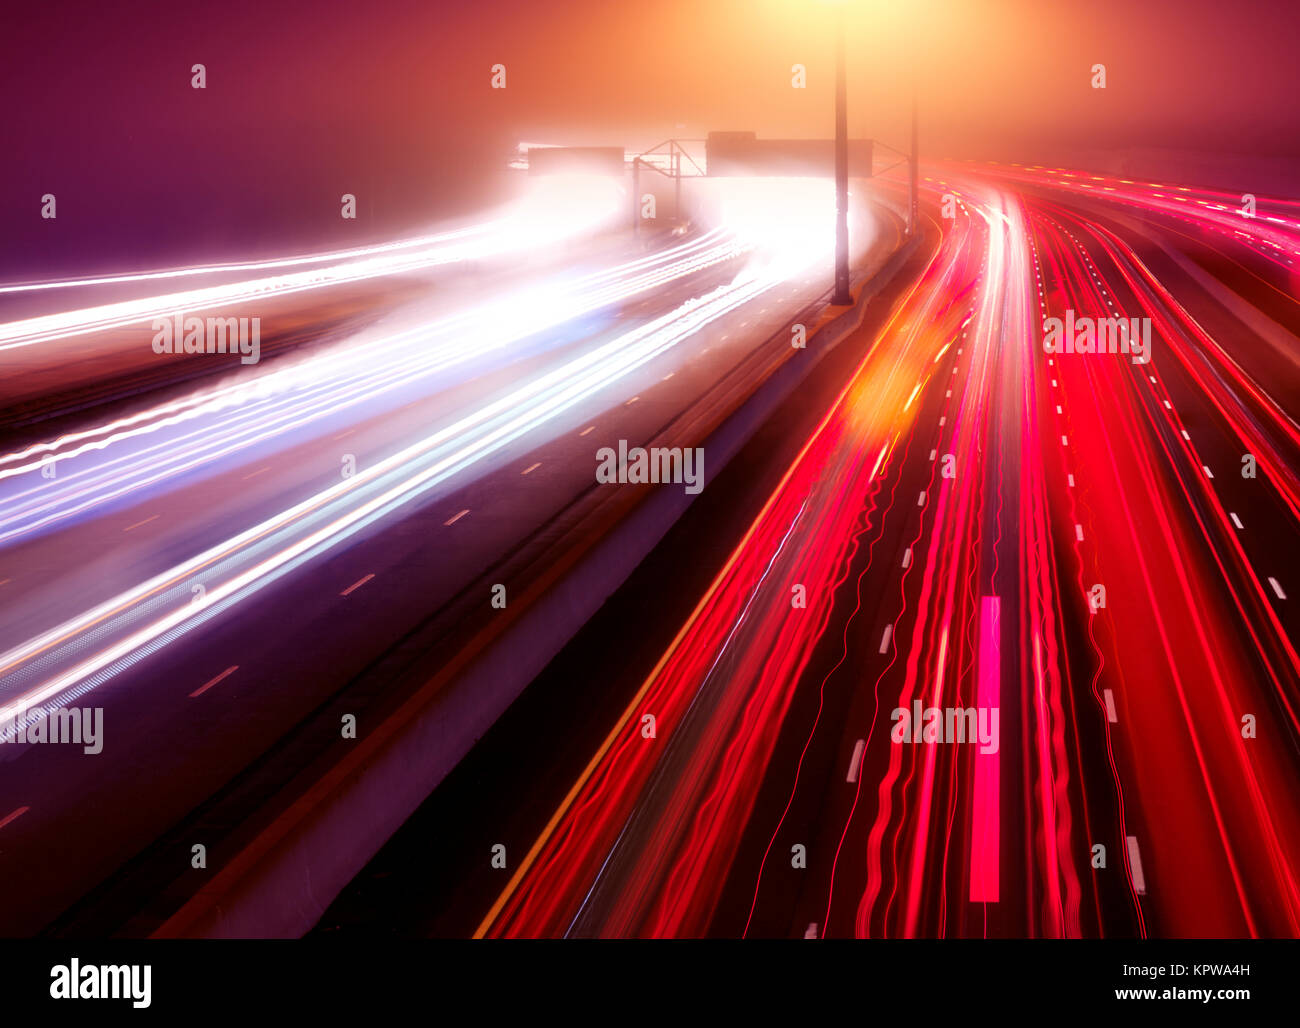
[391, 100]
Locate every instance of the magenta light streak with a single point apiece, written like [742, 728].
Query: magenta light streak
[984, 824]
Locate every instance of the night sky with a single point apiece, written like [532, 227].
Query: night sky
[391, 100]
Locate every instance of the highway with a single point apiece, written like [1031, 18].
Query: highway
[215, 558]
[1097, 547]
[988, 630]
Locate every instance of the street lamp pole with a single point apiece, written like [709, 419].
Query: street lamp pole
[842, 295]
[913, 212]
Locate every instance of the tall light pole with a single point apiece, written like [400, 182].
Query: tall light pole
[842, 295]
[914, 172]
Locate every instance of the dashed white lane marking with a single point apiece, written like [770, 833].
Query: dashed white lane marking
[1168, 405]
[209, 684]
[531, 468]
[668, 376]
[1058, 409]
[1065, 441]
[144, 522]
[811, 931]
[1236, 520]
[1135, 866]
[856, 762]
[453, 520]
[885, 637]
[589, 428]
[14, 815]
[1109, 697]
[907, 557]
[254, 474]
[1186, 436]
[1078, 532]
[344, 435]
[933, 454]
[920, 500]
[631, 401]
[1070, 479]
[1276, 588]
[1208, 472]
[943, 421]
[357, 584]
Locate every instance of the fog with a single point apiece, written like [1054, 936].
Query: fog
[392, 101]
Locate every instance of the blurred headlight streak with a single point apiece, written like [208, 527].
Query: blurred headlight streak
[86, 650]
[551, 211]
